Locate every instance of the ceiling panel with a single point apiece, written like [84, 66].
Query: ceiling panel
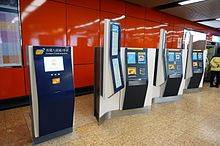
[208, 8]
[186, 13]
[200, 11]
[152, 3]
[214, 23]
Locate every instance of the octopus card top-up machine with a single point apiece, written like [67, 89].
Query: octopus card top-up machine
[52, 91]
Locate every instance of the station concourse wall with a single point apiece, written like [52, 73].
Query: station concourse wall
[79, 23]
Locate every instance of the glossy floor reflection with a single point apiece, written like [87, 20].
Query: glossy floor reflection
[194, 120]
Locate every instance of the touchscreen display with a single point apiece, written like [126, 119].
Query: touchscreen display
[141, 57]
[200, 57]
[131, 56]
[171, 56]
[178, 56]
[117, 73]
[115, 39]
[53, 64]
[195, 56]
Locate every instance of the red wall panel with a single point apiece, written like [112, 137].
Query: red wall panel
[114, 6]
[94, 4]
[134, 32]
[135, 11]
[165, 18]
[76, 23]
[178, 22]
[153, 15]
[82, 33]
[63, 1]
[44, 25]
[12, 83]
[83, 75]
[151, 38]
[169, 35]
[117, 18]
[177, 35]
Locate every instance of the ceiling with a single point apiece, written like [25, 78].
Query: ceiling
[204, 12]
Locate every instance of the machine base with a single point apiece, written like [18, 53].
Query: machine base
[52, 135]
[118, 113]
[166, 99]
[187, 91]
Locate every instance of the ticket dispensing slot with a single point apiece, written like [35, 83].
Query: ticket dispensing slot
[136, 75]
[175, 73]
[198, 69]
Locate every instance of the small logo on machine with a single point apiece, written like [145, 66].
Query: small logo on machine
[39, 51]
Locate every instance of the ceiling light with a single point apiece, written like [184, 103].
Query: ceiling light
[218, 19]
[189, 2]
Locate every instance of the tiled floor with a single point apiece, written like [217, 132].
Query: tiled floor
[194, 120]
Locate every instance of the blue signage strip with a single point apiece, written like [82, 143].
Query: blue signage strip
[54, 81]
[116, 67]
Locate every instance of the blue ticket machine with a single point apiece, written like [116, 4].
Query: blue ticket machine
[175, 73]
[52, 91]
[197, 57]
[137, 79]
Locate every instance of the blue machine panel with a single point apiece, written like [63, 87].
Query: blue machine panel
[136, 64]
[54, 80]
[197, 62]
[175, 64]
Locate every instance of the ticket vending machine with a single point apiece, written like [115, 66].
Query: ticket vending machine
[121, 76]
[109, 79]
[136, 78]
[198, 60]
[174, 85]
[52, 91]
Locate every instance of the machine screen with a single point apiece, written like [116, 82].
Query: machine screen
[197, 62]
[115, 60]
[195, 56]
[53, 64]
[115, 39]
[175, 64]
[117, 73]
[171, 56]
[131, 56]
[136, 64]
[141, 57]
[200, 56]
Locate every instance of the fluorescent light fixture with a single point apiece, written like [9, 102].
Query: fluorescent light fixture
[218, 19]
[189, 2]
